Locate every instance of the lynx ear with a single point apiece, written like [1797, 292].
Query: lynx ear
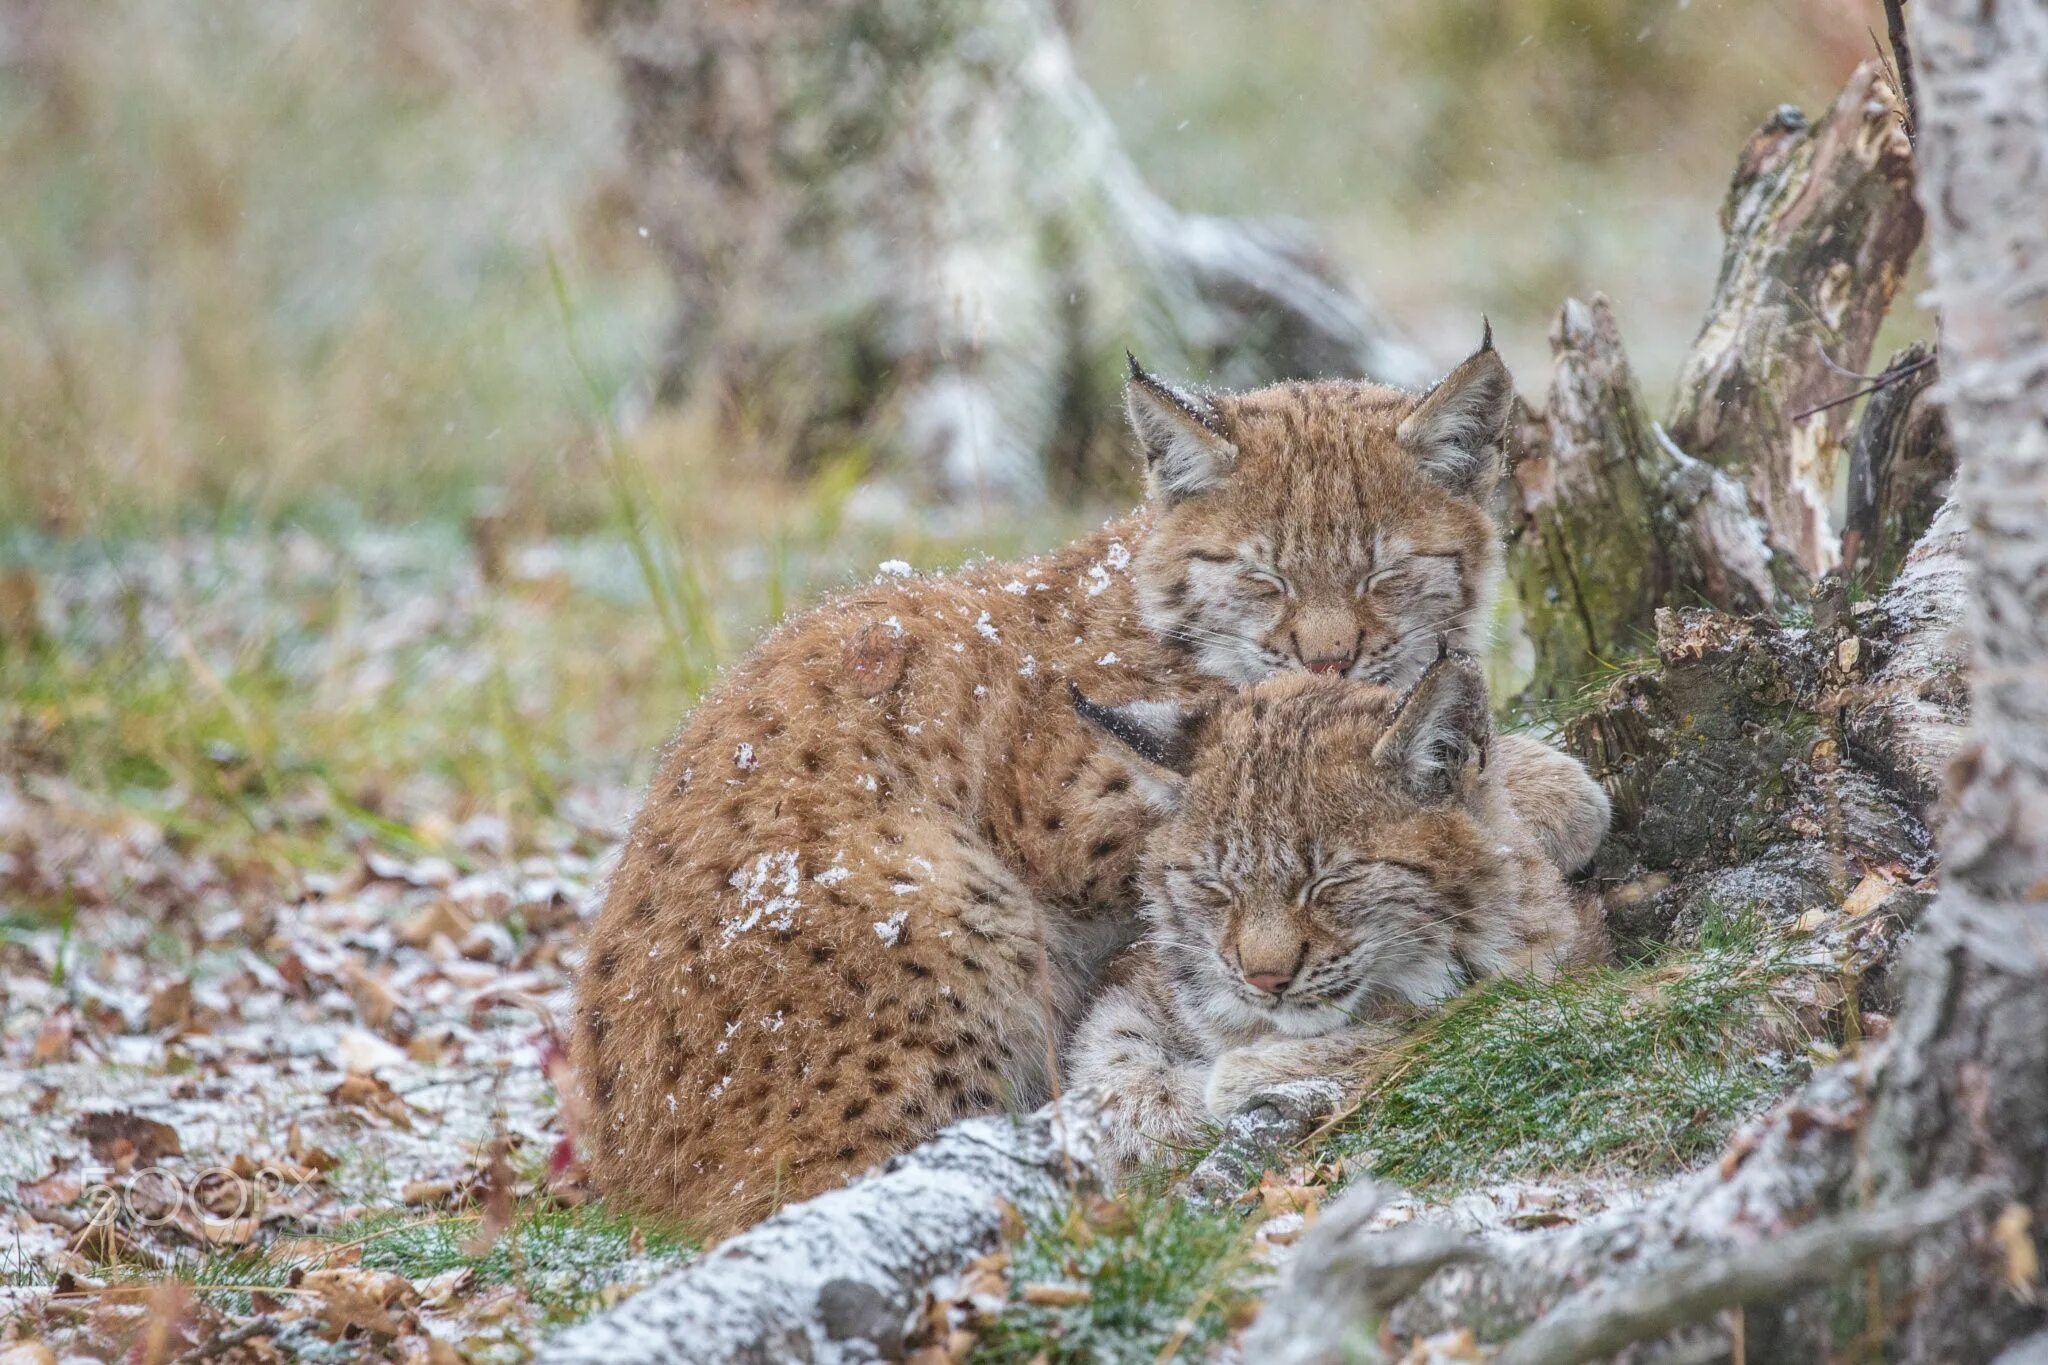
[1163, 734]
[1439, 728]
[1455, 433]
[1185, 449]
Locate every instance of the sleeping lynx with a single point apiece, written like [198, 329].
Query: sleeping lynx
[1334, 849]
[880, 869]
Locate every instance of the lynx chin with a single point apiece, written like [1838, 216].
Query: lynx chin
[881, 868]
[1336, 856]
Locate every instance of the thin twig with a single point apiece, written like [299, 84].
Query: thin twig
[1593, 1325]
[1902, 58]
[1883, 381]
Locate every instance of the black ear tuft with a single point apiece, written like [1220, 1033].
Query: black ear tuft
[1441, 726]
[1185, 447]
[1485, 336]
[1160, 732]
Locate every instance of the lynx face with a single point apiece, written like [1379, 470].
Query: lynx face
[1331, 846]
[1329, 527]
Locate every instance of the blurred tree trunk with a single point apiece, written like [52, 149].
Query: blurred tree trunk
[906, 225]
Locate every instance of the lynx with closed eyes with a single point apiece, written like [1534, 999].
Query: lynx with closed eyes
[1336, 855]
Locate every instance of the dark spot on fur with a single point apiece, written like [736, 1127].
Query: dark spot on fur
[875, 1065]
[605, 963]
[854, 1110]
[643, 910]
[881, 1033]
[1053, 824]
[916, 968]
[1116, 786]
[1102, 848]
[694, 943]
[826, 1085]
[822, 953]
[981, 1099]
[846, 1153]
[945, 1080]
[973, 964]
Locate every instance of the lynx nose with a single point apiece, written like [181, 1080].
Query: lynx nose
[1271, 982]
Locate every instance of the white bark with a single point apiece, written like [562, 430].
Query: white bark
[839, 1278]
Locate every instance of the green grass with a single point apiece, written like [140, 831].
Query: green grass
[1641, 1069]
[1157, 1272]
[562, 1260]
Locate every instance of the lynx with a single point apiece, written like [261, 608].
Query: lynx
[880, 870]
[1337, 854]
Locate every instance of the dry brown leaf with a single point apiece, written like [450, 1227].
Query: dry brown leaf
[441, 916]
[419, 1192]
[1870, 893]
[122, 1136]
[447, 1286]
[375, 1004]
[170, 1007]
[54, 1039]
[305, 1153]
[349, 1296]
[371, 1094]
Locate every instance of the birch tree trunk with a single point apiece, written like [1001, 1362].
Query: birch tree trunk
[907, 225]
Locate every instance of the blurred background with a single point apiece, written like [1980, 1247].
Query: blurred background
[265, 258]
[331, 334]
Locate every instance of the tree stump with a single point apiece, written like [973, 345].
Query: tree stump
[910, 227]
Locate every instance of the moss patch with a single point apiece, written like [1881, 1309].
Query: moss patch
[1644, 1069]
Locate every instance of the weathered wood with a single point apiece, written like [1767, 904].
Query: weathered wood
[840, 1277]
[911, 227]
[1901, 465]
[1821, 224]
[1905, 720]
[1611, 519]
[1969, 1091]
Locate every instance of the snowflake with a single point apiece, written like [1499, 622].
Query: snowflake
[768, 890]
[986, 628]
[894, 566]
[1106, 660]
[1029, 668]
[743, 758]
[890, 930]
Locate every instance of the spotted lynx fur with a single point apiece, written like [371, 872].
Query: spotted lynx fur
[880, 869]
[1337, 854]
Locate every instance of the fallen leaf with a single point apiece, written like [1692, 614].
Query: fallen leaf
[1870, 893]
[349, 1296]
[170, 1007]
[54, 1038]
[447, 1286]
[375, 1004]
[442, 916]
[374, 1095]
[122, 1135]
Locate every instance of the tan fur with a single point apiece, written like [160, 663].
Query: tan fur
[881, 867]
[1357, 846]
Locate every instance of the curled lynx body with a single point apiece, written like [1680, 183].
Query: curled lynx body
[881, 868]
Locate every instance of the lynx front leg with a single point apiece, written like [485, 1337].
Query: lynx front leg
[1243, 1072]
[1151, 1098]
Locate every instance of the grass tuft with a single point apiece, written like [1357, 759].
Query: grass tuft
[1644, 1069]
[1159, 1276]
